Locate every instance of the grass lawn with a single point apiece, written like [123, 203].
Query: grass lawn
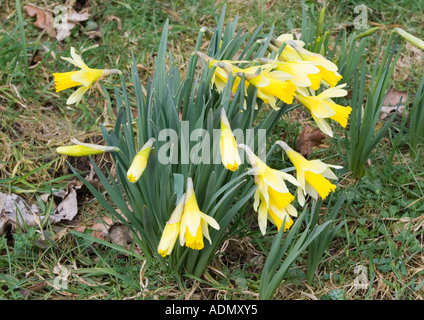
[383, 212]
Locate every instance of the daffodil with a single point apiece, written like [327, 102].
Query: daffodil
[230, 156]
[80, 149]
[222, 70]
[139, 162]
[304, 74]
[328, 70]
[194, 223]
[312, 175]
[270, 84]
[171, 230]
[321, 107]
[84, 77]
[289, 53]
[272, 199]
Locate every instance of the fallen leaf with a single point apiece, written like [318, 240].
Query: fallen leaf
[68, 208]
[393, 102]
[64, 30]
[74, 16]
[66, 25]
[309, 138]
[44, 19]
[16, 211]
[394, 97]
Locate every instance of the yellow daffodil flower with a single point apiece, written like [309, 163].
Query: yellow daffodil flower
[194, 223]
[222, 70]
[289, 53]
[304, 74]
[171, 230]
[139, 162]
[84, 77]
[321, 106]
[80, 149]
[272, 199]
[328, 70]
[270, 84]
[312, 175]
[230, 156]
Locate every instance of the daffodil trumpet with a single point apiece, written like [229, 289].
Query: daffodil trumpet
[312, 175]
[194, 223]
[230, 156]
[328, 70]
[322, 106]
[171, 230]
[272, 199]
[85, 77]
[139, 162]
[80, 149]
[303, 74]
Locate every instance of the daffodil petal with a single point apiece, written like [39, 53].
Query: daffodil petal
[77, 95]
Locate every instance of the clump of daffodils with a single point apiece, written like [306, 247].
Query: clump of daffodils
[294, 75]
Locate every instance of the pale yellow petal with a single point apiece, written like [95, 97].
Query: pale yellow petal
[77, 95]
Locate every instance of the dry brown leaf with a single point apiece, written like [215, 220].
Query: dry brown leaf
[16, 211]
[308, 138]
[393, 102]
[44, 19]
[65, 26]
[394, 97]
[74, 16]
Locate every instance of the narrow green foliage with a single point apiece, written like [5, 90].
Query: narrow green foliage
[362, 136]
[416, 118]
[284, 252]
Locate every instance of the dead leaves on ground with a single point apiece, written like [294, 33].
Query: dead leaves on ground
[309, 137]
[60, 25]
[44, 19]
[15, 211]
[19, 213]
[58, 22]
[394, 102]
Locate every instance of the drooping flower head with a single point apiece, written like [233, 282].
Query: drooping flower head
[312, 175]
[194, 223]
[85, 77]
[303, 74]
[222, 70]
[80, 149]
[289, 53]
[139, 162]
[328, 70]
[171, 230]
[272, 198]
[321, 107]
[230, 156]
[271, 84]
